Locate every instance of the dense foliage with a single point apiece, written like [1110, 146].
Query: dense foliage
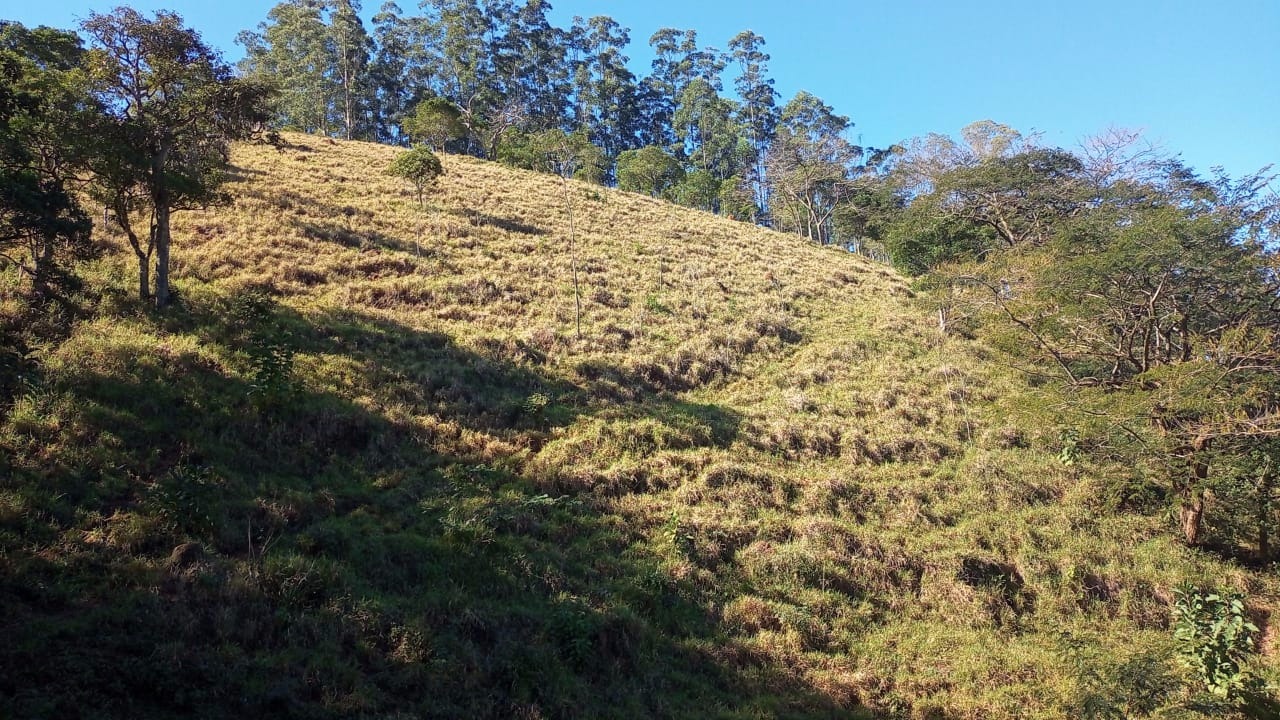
[485, 77]
[1151, 296]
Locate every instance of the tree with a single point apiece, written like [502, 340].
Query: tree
[44, 115]
[419, 166]
[1156, 306]
[699, 189]
[293, 51]
[737, 201]
[809, 167]
[530, 62]
[173, 107]
[704, 123]
[758, 111]
[606, 93]
[352, 46]
[650, 170]
[318, 54]
[677, 61]
[435, 121]
[463, 37]
[565, 154]
[390, 70]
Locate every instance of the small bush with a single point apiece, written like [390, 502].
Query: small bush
[1214, 636]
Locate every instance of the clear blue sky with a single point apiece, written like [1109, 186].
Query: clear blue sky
[1202, 77]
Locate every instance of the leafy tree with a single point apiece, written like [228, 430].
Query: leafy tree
[810, 167]
[1155, 305]
[650, 170]
[606, 92]
[557, 152]
[677, 62]
[45, 113]
[1245, 490]
[704, 124]
[530, 60]
[1017, 198]
[293, 51]
[464, 38]
[419, 166]
[390, 71]
[352, 49]
[173, 108]
[874, 210]
[737, 200]
[436, 122]
[671, 73]
[699, 189]
[318, 54]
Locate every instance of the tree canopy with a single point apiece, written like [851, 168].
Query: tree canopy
[172, 106]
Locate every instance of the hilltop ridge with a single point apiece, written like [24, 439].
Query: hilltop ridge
[367, 467]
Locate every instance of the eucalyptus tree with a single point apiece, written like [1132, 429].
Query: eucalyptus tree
[671, 72]
[757, 109]
[704, 124]
[172, 107]
[293, 49]
[531, 62]
[352, 49]
[389, 71]
[606, 93]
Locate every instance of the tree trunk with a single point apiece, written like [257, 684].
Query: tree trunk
[1191, 516]
[1265, 488]
[144, 277]
[163, 295]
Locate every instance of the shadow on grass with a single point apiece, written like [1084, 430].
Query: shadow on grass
[243, 538]
[348, 237]
[477, 219]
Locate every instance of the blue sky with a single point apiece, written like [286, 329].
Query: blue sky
[1202, 78]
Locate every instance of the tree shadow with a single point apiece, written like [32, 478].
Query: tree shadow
[349, 237]
[239, 173]
[478, 219]
[271, 528]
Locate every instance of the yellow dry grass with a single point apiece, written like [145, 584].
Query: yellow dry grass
[777, 422]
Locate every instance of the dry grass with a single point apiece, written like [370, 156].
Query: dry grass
[850, 504]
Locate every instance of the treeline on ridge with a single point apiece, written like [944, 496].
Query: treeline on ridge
[488, 78]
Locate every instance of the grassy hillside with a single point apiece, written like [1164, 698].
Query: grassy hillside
[366, 468]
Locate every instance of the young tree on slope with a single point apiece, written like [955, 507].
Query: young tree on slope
[173, 107]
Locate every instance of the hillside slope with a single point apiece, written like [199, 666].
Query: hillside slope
[367, 468]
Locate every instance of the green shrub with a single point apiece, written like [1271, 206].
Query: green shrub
[1214, 635]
